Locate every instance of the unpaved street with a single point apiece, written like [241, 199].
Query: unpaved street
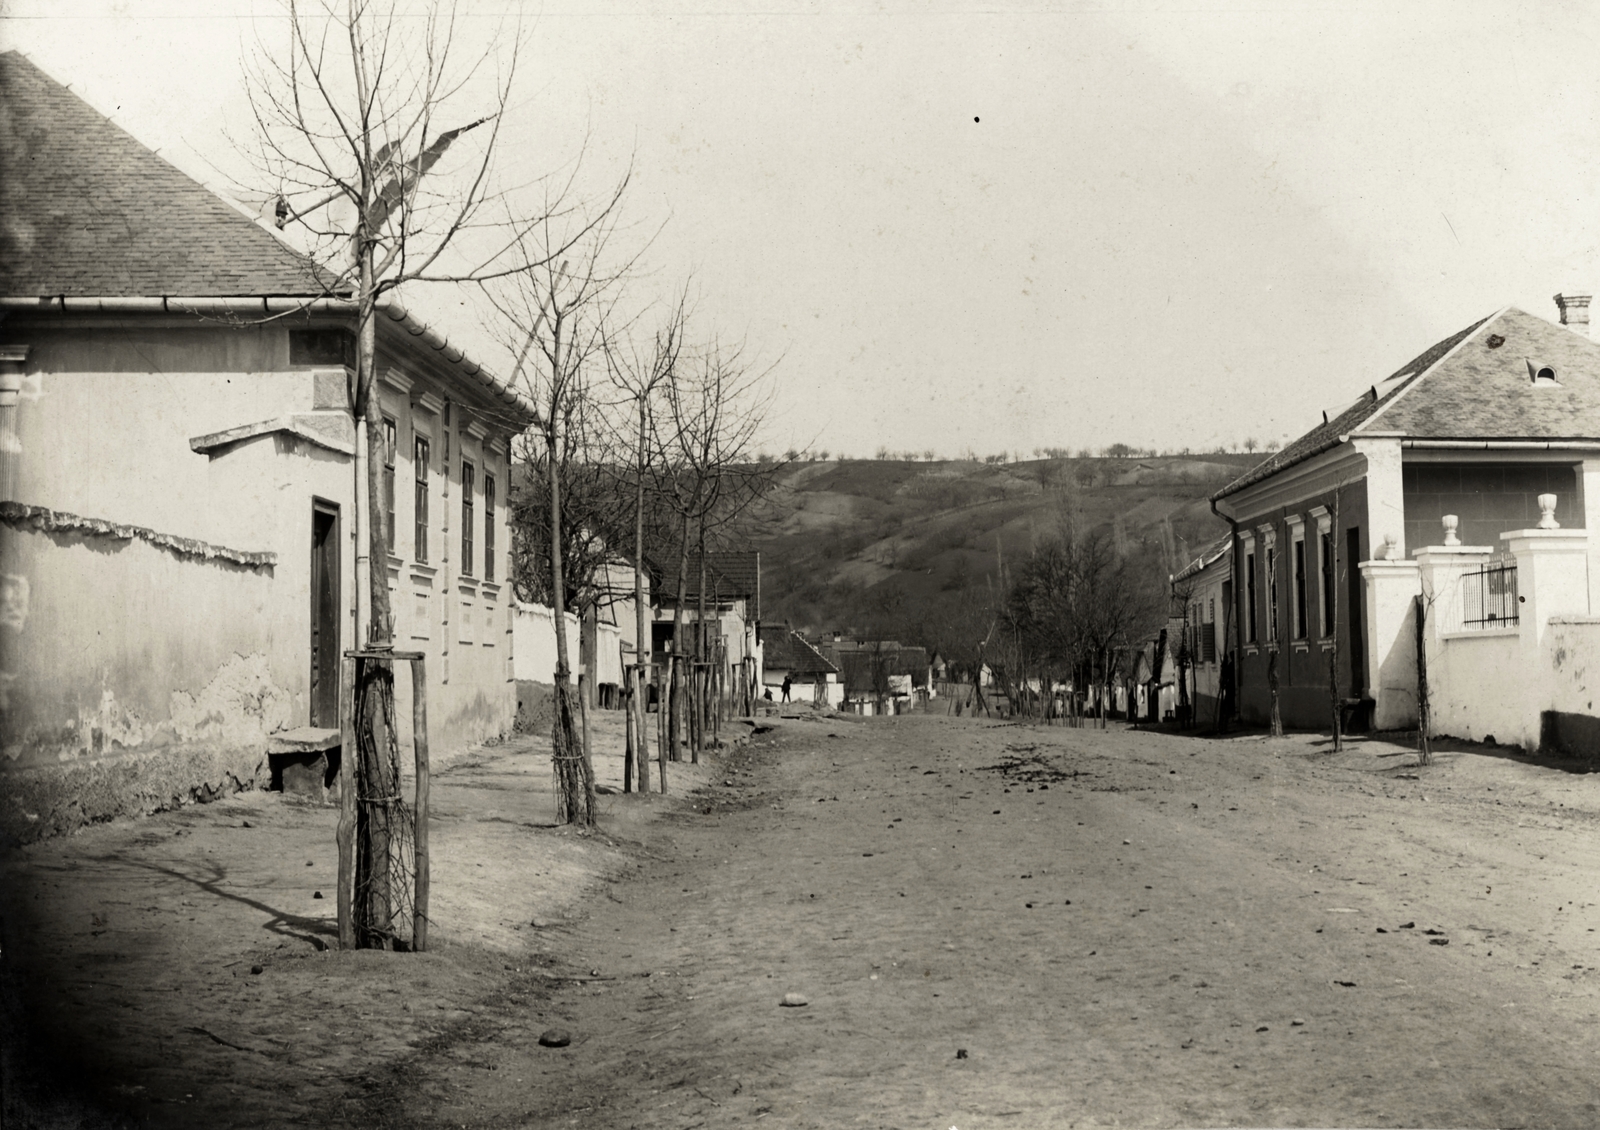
[993, 926]
[1007, 926]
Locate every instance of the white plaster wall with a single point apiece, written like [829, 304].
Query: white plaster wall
[535, 642]
[608, 655]
[1571, 667]
[116, 445]
[1479, 686]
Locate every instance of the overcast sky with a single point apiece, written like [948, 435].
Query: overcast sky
[1023, 225]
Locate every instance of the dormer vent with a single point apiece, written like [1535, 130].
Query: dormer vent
[1540, 373]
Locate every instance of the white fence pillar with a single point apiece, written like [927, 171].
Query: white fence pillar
[1391, 589]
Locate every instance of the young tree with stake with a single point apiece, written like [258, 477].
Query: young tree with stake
[377, 133]
[555, 314]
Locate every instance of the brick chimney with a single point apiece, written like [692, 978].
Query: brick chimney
[1574, 312]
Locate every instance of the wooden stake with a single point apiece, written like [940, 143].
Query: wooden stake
[346, 835]
[627, 730]
[583, 709]
[419, 842]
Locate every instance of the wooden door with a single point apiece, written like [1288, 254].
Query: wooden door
[1356, 610]
[324, 614]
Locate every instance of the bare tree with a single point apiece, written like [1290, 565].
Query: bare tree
[709, 478]
[363, 132]
[595, 511]
[643, 377]
[555, 313]
[1081, 603]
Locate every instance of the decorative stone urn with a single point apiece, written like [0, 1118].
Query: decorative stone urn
[1451, 521]
[1547, 512]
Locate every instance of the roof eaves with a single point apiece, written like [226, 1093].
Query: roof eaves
[518, 405]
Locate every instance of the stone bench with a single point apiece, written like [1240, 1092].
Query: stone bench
[304, 761]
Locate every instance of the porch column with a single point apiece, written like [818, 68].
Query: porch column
[1386, 510]
[1391, 635]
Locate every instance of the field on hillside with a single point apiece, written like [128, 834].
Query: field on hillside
[904, 548]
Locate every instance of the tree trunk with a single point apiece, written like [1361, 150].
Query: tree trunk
[1272, 685]
[675, 667]
[642, 646]
[377, 753]
[575, 798]
[1424, 713]
[701, 681]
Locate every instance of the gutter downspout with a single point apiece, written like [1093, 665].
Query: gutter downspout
[1238, 589]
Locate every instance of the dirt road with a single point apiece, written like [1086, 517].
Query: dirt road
[992, 926]
[997, 926]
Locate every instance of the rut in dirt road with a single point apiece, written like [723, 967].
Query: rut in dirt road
[1001, 926]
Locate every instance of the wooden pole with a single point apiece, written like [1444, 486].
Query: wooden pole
[663, 710]
[627, 729]
[584, 687]
[419, 842]
[346, 835]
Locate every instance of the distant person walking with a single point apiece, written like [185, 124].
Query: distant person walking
[787, 683]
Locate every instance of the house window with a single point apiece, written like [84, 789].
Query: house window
[488, 527]
[1272, 595]
[420, 463]
[390, 438]
[1299, 588]
[466, 518]
[1327, 584]
[1250, 595]
[1208, 633]
[322, 347]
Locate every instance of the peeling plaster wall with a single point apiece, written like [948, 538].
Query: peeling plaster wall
[132, 679]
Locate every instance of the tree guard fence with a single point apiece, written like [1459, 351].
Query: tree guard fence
[383, 841]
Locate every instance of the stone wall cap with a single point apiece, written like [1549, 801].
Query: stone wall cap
[1547, 535]
[1380, 564]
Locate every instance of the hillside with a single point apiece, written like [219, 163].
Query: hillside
[909, 549]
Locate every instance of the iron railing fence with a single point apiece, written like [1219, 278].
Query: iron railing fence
[1489, 597]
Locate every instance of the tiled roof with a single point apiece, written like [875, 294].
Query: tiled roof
[1326, 435]
[911, 661]
[862, 660]
[730, 575]
[784, 649]
[87, 210]
[1485, 389]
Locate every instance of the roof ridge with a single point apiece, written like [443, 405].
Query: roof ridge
[1366, 407]
[1416, 380]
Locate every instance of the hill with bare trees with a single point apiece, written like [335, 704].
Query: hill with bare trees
[921, 551]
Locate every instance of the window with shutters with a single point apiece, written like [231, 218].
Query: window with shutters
[467, 473]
